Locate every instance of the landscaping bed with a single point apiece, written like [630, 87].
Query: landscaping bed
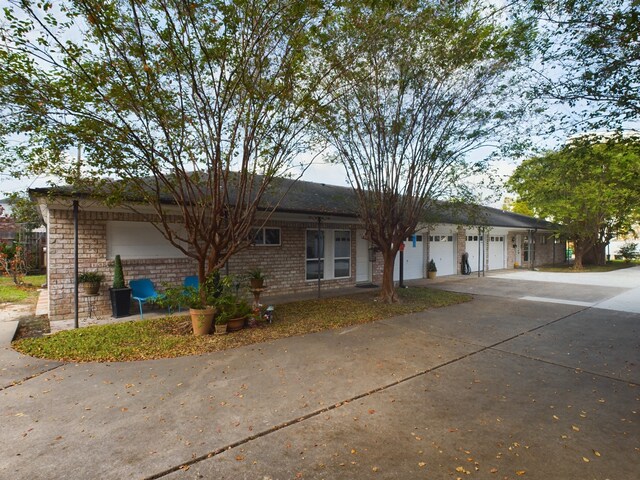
[171, 336]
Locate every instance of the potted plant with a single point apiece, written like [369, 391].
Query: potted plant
[237, 313]
[119, 293]
[221, 325]
[431, 269]
[202, 311]
[256, 278]
[90, 282]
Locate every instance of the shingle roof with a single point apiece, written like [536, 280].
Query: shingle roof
[321, 199]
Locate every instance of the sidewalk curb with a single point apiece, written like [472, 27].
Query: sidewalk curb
[8, 332]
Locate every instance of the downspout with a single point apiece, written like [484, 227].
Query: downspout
[532, 246]
[479, 250]
[75, 262]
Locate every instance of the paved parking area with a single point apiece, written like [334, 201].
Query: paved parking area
[501, 387]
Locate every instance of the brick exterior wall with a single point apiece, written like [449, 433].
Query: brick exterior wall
[284, 265]
[543, 250]
[92, 255]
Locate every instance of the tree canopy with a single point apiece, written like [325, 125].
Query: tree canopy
[589, 187]
[590, 56]
[420, 85]
[190, 107]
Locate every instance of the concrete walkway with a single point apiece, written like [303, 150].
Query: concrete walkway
[496, 388]
[628, 279]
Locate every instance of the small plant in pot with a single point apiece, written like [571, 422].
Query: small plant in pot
[256, 278]
[431, 269]
[90, 282]
[119, 293]
[237, 312]
[221, 324]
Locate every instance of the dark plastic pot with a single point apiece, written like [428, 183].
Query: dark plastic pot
[120, 301]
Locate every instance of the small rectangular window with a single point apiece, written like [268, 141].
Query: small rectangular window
[315, 254]
[342, 253]
[266, 236]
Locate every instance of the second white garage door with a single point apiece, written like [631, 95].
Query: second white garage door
[442, 251]
[475, 249]
[496, 252]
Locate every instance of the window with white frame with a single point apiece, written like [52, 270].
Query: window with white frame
[265, 236]
[328, 254]
[342, 253]
[315, 254]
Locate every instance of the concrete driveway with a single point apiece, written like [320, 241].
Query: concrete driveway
[500, 387]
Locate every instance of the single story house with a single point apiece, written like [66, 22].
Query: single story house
[285, 248]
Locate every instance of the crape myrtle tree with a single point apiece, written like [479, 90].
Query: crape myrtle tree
[421, 84]
[589, 187]
[190, 107]
[589, 57]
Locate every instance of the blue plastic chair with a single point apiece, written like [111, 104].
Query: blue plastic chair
[191, 281]
[143, 291]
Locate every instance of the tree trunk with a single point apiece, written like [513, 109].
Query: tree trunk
[599, 253]
[202, 278]
[580, 250]
[388, 293]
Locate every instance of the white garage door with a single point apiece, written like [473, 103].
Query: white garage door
[442, 251]
[413, 260]
[496, 252]
[472, 249]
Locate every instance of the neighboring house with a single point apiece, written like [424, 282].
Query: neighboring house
[286, 247]
[7, 224]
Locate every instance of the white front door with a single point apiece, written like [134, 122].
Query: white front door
[363, 265]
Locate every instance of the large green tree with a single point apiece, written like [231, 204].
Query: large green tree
[590, 57]
[421, 84]
[589, 187]
[191, 107]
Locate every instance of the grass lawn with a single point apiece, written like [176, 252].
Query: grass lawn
[171, 336]
[609, 267]
[11, 293]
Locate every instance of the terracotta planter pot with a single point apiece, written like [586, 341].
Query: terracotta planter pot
[432, 275]
[236, 324]
[257, 283]
[202, 320]
[220, 329]
[91, 288]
